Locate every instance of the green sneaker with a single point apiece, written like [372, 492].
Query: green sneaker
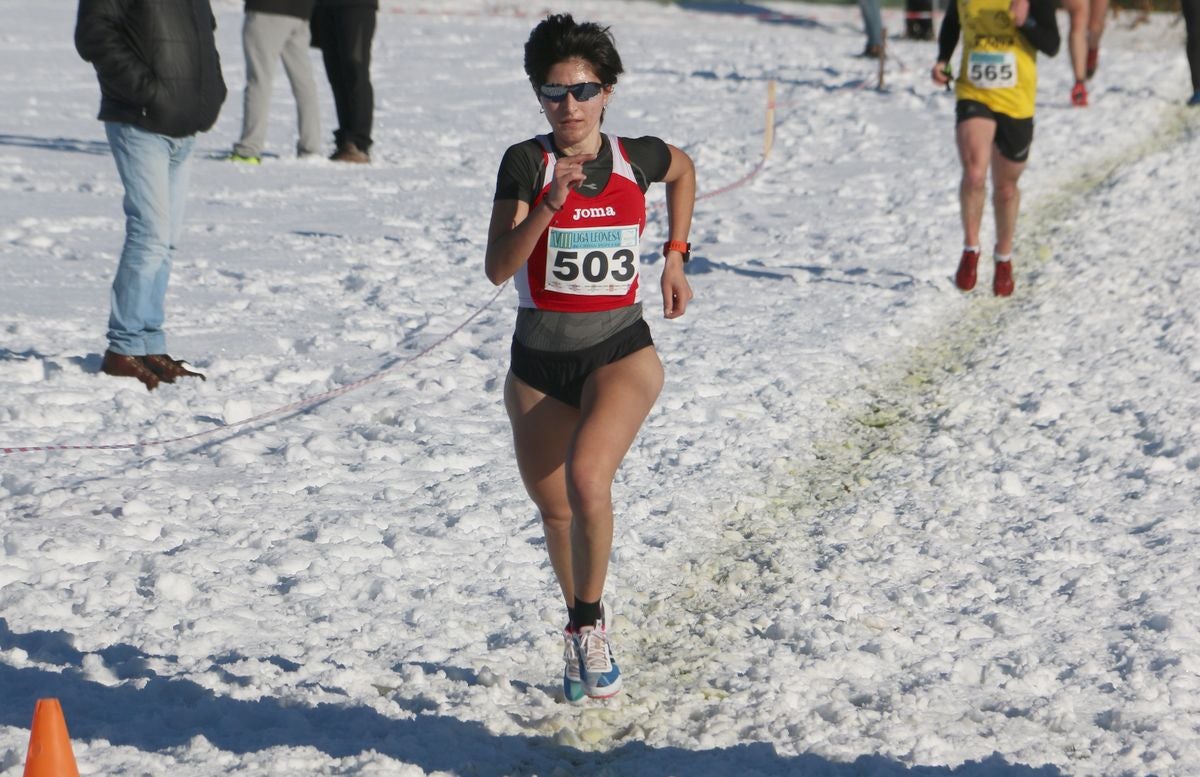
[246, 160]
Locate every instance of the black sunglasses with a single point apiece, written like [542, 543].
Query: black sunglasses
[556, 93]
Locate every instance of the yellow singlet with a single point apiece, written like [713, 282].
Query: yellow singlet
[998, 67]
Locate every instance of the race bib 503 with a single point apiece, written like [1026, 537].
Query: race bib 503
[592, 261]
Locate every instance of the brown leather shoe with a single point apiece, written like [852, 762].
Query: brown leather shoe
[125, 366]
[168, 369]
[348, 152]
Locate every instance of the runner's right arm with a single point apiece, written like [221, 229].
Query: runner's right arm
[516, 224]
[948, 35]
[947, 41]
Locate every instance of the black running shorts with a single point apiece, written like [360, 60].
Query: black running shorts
[1013, 136]
[561, 374]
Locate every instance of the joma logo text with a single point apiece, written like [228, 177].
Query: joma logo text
[593, 213]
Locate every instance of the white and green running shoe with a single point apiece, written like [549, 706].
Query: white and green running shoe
[572, 683]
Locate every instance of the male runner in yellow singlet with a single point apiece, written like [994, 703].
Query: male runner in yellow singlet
[996, 90]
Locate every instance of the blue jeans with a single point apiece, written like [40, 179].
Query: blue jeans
[154, 170]
[872, 20]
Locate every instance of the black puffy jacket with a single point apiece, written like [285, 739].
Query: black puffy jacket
[301, 9]
[156, 60]
[346, 3]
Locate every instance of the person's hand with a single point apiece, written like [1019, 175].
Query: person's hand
[941, 72]
[568, 174]
[1019, 10]
[675, 290]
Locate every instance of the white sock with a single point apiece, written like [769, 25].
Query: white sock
[973, 249]
[1003, 257]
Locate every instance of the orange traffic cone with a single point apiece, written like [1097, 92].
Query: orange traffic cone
[49, 744]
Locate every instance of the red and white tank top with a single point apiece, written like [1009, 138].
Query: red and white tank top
[587, 260]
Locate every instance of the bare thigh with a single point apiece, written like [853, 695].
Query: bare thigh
[542, 430]
[975, 138]
[550, 436]
[616, 400]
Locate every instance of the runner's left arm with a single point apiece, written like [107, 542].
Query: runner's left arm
[681, 199]
[1040, 28]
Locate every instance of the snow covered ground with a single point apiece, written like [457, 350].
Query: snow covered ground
[874, 526]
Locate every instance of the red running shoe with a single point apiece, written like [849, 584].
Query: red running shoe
[965, 277]
[1079, 95]
[1002, 283]
[1093, 58]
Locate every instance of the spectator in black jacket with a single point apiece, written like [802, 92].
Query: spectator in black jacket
[160, 84]
[344, 30]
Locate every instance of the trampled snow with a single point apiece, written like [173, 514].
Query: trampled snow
[874, 526]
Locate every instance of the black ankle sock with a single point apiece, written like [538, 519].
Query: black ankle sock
[586, 613]
[571, 617]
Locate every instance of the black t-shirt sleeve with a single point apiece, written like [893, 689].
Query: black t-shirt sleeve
[521, 167]
[1041, 28]
[650, 158]
[948, 35]
[520, 170]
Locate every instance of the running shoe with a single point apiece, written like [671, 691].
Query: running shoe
[1002, 283]
[245, 160]
[965, 277]
[1093, 58]
[597, 668]
[1079, 95]
[1195, 99]
[572, 683]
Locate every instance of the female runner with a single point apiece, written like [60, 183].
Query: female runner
[566, 222]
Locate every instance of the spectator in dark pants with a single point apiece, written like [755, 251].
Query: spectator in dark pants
[344, 30]
[1191, 17]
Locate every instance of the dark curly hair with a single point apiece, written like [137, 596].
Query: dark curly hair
[559, 37]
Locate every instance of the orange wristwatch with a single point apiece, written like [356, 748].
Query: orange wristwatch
[680, 246]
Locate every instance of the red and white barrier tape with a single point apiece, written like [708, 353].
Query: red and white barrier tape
[313, 400]
[289, 408]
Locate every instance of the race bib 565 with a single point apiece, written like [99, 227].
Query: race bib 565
[992, 69]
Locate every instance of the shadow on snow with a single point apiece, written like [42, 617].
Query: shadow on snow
[836, 81]
[759, 12]
[56, 144]
[159, 713]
